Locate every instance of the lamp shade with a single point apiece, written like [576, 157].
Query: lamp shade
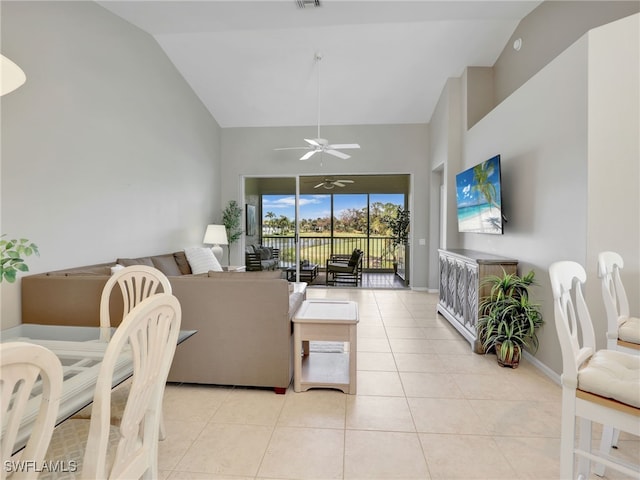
[215, 235]
[11, 76]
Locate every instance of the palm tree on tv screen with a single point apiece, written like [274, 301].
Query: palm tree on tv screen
[481, 174]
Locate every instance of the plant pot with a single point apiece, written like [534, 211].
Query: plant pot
[508, 361]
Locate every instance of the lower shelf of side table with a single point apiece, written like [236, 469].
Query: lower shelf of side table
[328, 370]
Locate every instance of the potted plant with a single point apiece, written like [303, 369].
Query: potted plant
[508, 319]
[231, 217]
[12, 253]
[399, 225]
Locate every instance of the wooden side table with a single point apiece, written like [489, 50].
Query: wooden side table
[329, 321]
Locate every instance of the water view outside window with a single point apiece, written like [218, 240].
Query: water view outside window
[331, 223]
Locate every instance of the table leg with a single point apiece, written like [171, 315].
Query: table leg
[297, 356]
[353, 348]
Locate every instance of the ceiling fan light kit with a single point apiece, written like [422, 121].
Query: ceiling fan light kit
[330, 183]
[320, 144]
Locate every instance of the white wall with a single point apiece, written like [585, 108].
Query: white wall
[569, 183]
[106, 151]
[614, 155]
[445, 145]
[385, 149]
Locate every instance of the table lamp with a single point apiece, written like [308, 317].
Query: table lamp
[11, 76]
[216, 235]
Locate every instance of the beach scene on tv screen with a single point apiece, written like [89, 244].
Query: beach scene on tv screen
[479, 198]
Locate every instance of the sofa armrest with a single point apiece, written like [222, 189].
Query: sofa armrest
[253, 262]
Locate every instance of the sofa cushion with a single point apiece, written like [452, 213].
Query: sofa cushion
[265, 253]
[201, 260]
[89, 271]
[355, 257]
[182, 262]
[166, 264]
[295, 300]
[127, 262]
[245, 276]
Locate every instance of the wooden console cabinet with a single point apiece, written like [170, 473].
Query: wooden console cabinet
[461, 277]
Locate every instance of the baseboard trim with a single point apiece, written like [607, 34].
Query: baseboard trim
[542, 367]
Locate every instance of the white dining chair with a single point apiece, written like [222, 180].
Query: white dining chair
[21, 365]
[597, 386]
[623, 330]
[136, 282]
[148, 334]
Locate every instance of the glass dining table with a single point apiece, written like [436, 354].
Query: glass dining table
[80, 350]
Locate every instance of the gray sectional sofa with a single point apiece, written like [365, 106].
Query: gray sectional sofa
[243, 319]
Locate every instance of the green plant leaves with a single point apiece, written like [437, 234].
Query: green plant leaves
[508, 317]
[231, 217]
[11, 257]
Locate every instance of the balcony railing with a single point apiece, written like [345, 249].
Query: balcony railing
[377, 250]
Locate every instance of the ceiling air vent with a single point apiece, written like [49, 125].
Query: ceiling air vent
[307, 3]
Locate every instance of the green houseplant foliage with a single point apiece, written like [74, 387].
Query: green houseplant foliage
[509, 321]
[12, 253]
[399, 226]
[231, 219]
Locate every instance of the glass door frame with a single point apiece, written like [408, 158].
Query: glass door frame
[296, 240]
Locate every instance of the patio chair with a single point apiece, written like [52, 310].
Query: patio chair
[342, 268]
[597, 386]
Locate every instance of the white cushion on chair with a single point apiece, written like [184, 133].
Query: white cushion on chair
[612, 374]
[629, 329]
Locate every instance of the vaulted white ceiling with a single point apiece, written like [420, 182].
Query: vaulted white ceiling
[384, 62]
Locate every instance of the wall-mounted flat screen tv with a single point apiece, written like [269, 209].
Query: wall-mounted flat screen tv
[479, 198]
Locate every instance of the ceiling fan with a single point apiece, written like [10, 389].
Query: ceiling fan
[320, 144]
[330, 183]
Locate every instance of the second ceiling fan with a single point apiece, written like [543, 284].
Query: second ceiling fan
[330, 183]
[322, 144]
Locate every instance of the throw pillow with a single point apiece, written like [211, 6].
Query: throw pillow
[183, 264]
[166, 264]
[116, 268]
[355, 257]
[201, 260]
[266, 253]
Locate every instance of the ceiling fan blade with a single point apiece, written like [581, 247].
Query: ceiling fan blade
[319, 185]
[344, 180]
[308, 155]
[342, 146]
[312, 142]
[338, 184]
[292, 148]
[338, 154]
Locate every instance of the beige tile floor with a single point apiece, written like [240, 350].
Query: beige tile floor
[426, 408]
